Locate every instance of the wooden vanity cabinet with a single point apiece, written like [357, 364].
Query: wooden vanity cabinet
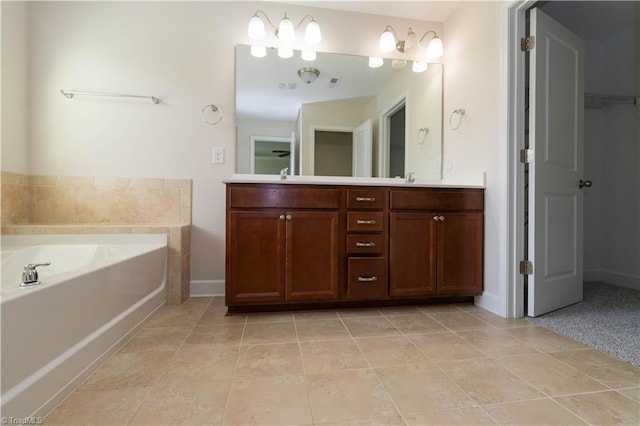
[436, 242]
[283, 244]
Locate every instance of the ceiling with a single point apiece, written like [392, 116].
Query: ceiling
[437, 11]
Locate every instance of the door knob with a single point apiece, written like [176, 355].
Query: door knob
[584, 184]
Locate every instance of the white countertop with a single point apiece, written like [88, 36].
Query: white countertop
[468, 181]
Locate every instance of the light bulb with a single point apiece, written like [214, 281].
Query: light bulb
[286, 32]
[256, 28]
[312, 33]
[285, 52]
[308, 55]
[435, 49]
[411, 43]
[419, 66]
[375, 62]
[387, 41]
[258, 51]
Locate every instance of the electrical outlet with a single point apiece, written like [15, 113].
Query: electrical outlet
[218, 155]
[448, 164]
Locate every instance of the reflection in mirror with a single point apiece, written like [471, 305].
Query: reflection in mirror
[350, 120]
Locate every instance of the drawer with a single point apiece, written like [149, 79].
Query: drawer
[437, 199]
[367, 278]
[366, 199]
[282, 196]
[365, 221]
[365, 243]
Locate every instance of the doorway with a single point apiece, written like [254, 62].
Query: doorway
[333, 153]
[270, 154]
[392, 140]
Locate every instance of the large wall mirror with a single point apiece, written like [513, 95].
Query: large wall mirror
[337, 116]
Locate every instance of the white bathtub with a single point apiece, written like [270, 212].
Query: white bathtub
[98, 290]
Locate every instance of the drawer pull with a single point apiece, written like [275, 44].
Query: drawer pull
[368, 279]
[368, 244]
[367, 199]
[366, 222]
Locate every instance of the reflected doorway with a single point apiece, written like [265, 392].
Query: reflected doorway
[396, 142]
[270, 155]
[333, 153]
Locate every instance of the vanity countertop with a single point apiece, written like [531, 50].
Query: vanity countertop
[468, 181]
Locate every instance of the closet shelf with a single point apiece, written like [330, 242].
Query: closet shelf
[600, 101]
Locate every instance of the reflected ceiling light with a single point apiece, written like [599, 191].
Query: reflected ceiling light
[285, 32]
[308, 74]
[389, 41]
[258, 51]
[285, 52]
[308, 55]
[419, 66]
[375, 62]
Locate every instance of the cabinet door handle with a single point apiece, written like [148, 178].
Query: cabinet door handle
[366, 222]
[282, 217]
[367, 199]
[289, 217]
[367, 244]
[368, 279]
[436, 218]
[441, 218]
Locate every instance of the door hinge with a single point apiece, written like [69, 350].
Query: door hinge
[527, 43]
[526, 156]
[526, 267]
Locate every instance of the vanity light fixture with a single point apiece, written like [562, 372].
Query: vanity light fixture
[285, 32]
[389, 41]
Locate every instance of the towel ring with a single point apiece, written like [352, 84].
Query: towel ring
[213, 108]
[459, 113]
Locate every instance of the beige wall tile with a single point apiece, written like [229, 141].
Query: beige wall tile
[16, 204]
[54, 204]
[163, 206]
[147, 182]
[75, 180]
[14, 178]
[93, 204]
[128, 205]
[35, 180]
[111, 181]
[185, 215]
[178, 183]
[185, 239]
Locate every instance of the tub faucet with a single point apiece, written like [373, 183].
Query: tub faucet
[30, 275]
[410, 177]
[284, 172]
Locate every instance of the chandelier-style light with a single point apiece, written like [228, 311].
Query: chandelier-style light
[389, 41]
[285, 32]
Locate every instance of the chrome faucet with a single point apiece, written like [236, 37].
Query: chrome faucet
[284, 172]
[410, 177]
[30, 275]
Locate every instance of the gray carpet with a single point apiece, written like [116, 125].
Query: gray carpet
[607, 320]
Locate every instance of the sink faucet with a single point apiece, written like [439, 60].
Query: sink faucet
[410, 177]
[284, 172]
[30, 275]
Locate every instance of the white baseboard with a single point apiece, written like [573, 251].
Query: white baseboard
[614, 278]
[491, 302]
[206, 288]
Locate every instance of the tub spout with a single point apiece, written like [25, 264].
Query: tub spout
[30, 274]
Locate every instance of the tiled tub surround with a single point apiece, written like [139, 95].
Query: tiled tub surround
[419, 365]
[35, 204]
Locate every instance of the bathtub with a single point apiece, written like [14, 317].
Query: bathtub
[97, 292]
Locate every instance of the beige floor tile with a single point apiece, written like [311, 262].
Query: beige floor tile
[314, 315]
[603, 408]
[633, 393]
[126, 370]
[544, 340]
[377, 421]
[265, 333]
[358, 312]
[470, 307]
[550, 375]
[602, 367]
[97, 407]
[183, 404]
[177, 316]
[487, 382]
[322, 329]
[217, 303]
[437, 307]
[533, 412]
[445, 346]
[370, 326]
[268, 401]
[390, 351]
[400, 310]
[269, 317]
[458, 321]
[269, 360]
[496, 343]
[163, 339]
[422, 387]
[197, 364]
[415, 323]
[500, 322]
[215, 335]
[220, 317]
[348, 395]
[331, 355]
[457, 417]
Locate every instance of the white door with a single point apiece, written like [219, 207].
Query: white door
[362, 150]
[556, 73]
[292, 157]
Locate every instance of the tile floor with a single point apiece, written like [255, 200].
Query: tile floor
[425, 365]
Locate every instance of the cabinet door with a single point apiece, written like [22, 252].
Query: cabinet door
[412, 254]
[255, 257]
[460, 254]
[312, 255]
